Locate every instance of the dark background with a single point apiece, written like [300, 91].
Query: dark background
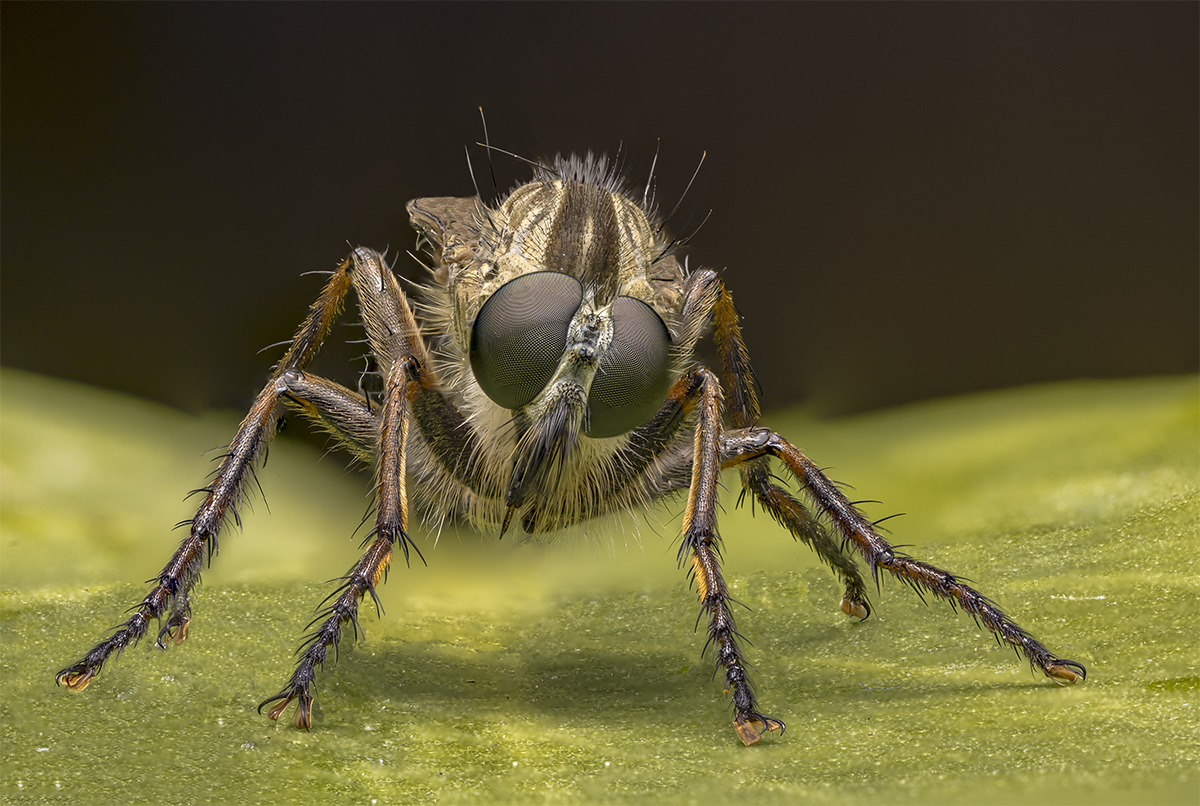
[908, 200]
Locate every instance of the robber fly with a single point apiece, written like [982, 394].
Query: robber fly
[548, 376]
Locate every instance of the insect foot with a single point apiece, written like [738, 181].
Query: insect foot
[751, 729]
[856, 608]
[1066, 672]
[76, 677]
[304, 706]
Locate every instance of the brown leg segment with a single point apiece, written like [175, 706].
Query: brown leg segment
[391, 522]
[348, 416]
[700, 550]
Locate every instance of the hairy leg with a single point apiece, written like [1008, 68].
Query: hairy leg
[170, 594]
[752, 443]
[391, 522]
[700, 550]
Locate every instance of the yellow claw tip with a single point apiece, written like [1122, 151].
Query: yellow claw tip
[303, 718]
[1063, 675]
[854, 609]
[747, 734]
[180, 635]
[752, 730]
[275, 712]
[75, 681]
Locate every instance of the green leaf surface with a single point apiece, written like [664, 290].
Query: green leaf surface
[512, 672]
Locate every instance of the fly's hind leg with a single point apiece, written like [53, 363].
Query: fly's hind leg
[753, 443]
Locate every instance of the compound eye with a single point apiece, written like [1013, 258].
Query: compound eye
[634, 374]
[520, 335]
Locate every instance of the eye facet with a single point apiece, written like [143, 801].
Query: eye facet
[520, 335]
[634, 374]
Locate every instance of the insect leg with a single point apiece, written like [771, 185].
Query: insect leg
[396, 343]
[797, 519]
[170, 594]
[920, 576]
[701, 550]
[346, 415]
[740, 384]
[391, 523]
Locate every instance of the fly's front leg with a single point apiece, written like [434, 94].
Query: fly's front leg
[701, 551]
[170, 595]
[391, 528]
[396, 343]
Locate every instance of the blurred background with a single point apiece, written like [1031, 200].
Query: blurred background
[908, 200]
